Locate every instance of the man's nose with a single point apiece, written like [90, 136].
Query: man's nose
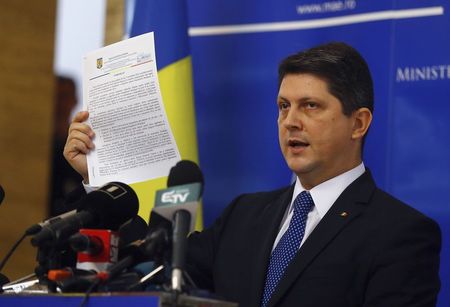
[293, 120]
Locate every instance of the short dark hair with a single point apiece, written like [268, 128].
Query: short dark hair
[341, 66]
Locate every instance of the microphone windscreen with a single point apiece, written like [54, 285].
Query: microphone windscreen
[114, 204]
[130, 247]
[185, 172]
[135, 229]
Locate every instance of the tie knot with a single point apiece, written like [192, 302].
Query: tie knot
[303, 202]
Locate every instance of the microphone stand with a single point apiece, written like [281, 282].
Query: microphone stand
[182, 220]
[47, 259]
[51, 257]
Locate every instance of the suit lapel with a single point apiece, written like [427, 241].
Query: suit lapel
[266, 228]
[352, 201]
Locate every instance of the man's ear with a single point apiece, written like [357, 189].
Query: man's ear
[362, 119]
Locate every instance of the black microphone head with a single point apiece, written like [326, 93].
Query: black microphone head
[185, 172]
[106, 208]
[135, 229]
[2, 194]
[113, 204]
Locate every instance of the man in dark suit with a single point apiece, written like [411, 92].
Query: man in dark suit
[360, 246]
[331, 239]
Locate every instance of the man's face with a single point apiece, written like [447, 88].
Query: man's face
[316, 138]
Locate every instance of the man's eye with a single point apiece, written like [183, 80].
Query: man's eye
[311, 105]
[283, 105]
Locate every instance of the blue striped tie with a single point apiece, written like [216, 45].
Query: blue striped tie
[288, 245]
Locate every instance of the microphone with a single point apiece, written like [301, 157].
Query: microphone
[97, 249]
[142, 248]
[106, 208]
[154, 244]
[185, 181]
[91, 243]
[185, 187]
[152, 247]
[184, 172]
[131, 231]
[179, 204]
[38, 227]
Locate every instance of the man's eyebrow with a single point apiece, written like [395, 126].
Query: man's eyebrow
[305, 98]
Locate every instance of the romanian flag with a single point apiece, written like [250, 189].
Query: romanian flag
[168, 20]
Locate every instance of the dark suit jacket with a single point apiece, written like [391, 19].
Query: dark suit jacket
[380, 253]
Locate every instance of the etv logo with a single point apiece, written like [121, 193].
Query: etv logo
[174, 197]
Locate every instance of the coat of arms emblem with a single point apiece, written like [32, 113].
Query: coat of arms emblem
[99, 63]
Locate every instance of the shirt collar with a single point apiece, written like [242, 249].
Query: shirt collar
[325, 194]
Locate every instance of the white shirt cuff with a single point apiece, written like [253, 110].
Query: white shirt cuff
[88, 188]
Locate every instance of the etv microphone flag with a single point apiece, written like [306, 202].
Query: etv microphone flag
[168, 20]
[184, 196]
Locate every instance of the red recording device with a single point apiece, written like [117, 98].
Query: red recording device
[97, 249]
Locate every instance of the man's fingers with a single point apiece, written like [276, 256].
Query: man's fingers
[80, 117]
[75, 148]
[79, 136]
[78, 146]
[83, 128]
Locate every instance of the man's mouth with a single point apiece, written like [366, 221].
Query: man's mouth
[297, 144]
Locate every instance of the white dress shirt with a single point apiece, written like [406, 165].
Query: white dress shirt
[324, 195]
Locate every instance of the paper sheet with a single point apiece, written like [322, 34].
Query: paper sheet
[133, 140]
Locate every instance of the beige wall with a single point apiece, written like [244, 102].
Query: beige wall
[26, 97]
[27, 35]
[115, 19]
